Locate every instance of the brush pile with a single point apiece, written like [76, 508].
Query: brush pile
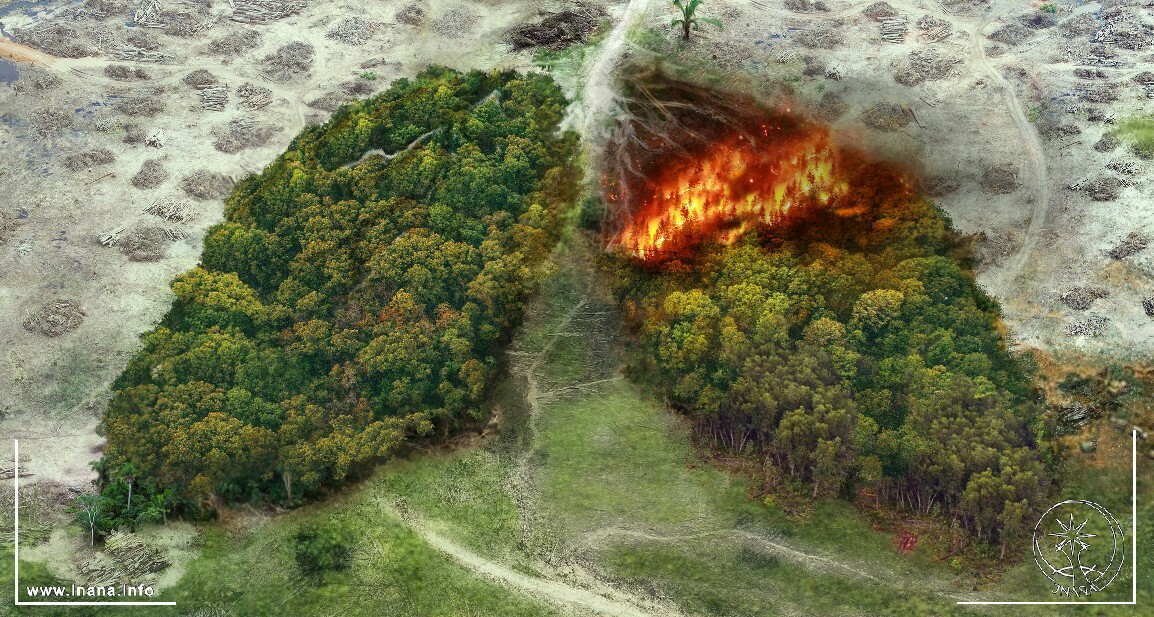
[35, 79]
[55, 318]
[1091, 326]
[1108, 143]
[1038, 20]
[1000, 179]
[204, 184]
[235, 43]
[887, 117]
[134, 557]
[933, 29]
[831, 107]
[820, 38]
[145, 244]
[1129, 168]
[151, 175]
[148, 14]
[242, 133]
[939, 185]
[412, 15]
[186, 24]
[121, 72]
[140, 106]
[557, 31]
[1080, 298]
[170, 210]
[1146, 80]
[1012, 34]
[880, 11]
[253, 97]
[352, 31]
[329, 102]
[263, 11]
[925, 65]
[55, 38]
[199, 78]
[1123, 29]
[93, 9]
[99, 571]
[8, 226]
[455, 23]
[290, 61]
[1098, 93]
[1134, 243]
[87, 160]
[48, 121]
[806, 6]
[358, 87]
[134, 134]
[1102, 188]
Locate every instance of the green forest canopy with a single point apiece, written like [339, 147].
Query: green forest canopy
[341, 309]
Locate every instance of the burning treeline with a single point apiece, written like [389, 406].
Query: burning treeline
[724, 166]
[839, 346]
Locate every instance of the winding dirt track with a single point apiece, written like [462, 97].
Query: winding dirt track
[23, 53]
[599, 96]
[551, 591]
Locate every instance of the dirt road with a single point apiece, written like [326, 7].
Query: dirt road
[553, 592]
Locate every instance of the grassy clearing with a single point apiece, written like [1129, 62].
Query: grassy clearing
[253, 572]
[1139, 134]
[463, 495]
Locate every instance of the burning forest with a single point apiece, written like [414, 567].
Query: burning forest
[706, 168]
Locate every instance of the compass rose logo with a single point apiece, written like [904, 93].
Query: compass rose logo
[1076, 545]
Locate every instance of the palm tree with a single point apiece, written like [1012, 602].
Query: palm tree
[689, 18]
[127, 474]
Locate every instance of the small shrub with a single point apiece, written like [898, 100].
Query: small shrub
[323, 548]
[369, 76]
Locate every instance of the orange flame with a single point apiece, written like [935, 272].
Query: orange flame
[733, 184]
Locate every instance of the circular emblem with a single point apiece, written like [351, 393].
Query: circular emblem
[1079, 546]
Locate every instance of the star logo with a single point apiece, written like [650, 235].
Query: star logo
[1076, 545]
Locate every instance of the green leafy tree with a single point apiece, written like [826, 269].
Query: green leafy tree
[689, 19]
[88, 511]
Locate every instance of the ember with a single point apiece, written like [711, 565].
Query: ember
[693, 167]
[736, 182]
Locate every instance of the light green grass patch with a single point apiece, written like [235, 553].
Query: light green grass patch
[1138, 132]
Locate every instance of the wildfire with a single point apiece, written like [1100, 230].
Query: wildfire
[734, 183]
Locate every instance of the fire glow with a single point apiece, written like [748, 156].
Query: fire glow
[732, 184]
